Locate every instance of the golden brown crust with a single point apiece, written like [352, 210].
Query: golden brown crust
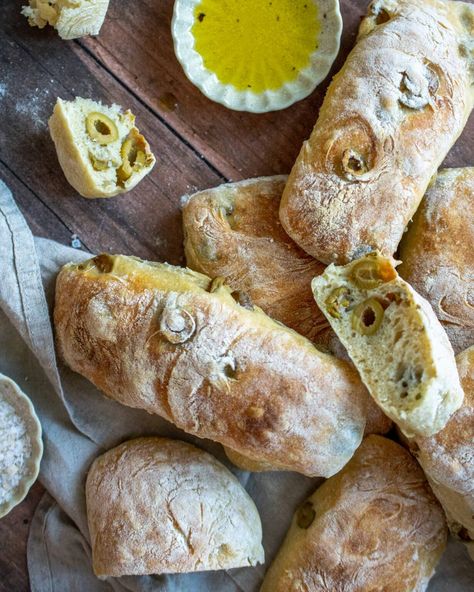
[234, 231]
[377, 526]
[448, 458]
[163, 506]
[388, 119]
[169, 341]
[438, 251]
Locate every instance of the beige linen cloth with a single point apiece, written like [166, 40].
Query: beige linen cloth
[79, 423]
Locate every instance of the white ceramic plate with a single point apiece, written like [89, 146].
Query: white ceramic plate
[11, 393]
[270, 100]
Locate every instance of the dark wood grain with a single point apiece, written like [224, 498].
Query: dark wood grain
[50, 68]
[13, 538]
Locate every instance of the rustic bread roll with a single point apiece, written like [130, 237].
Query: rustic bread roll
[388, 120]
[374, 526]
[172, 342]
[395, 341]
[163, 506]
[233, 231]
[99, 148]
[438, 253]
[71, 18]
[448, 459]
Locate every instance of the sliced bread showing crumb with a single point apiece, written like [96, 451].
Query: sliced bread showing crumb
[395, 340]
[71, 18]
[99, 148]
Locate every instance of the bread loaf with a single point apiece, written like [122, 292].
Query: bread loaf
[388, 120]
[437, 253]
[163, 506]
[100, 150]
[172, 342]
[395, 341]
[233, 231]
[448, 459]
[71, 18]
[374, 526]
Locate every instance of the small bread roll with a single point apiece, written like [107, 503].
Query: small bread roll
[448, 459]
[99, 148]
[71, 18]
[374, 526]
[163, 506]
[437, 253]
[175, 343]
[395, 341]
[234, 231]
[388, 119]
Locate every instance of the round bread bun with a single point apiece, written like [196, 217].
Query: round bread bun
[163, 506]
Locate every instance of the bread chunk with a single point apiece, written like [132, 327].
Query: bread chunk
[448, 459]
[175, 343]
[100, 150]
[71, 18]
[163, 506]
[437, 253]
[395, 341]
[388, 120]
[374, 526]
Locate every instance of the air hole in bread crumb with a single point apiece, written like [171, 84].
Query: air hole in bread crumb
[230, 371]
[403, 395]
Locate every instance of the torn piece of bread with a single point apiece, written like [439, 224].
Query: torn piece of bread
[99, 148]
[448, 459]
[437, 253]
[388, 119]
[71, 18]
[395, 341]
[157, 506]
[175, 343]
[375, 526]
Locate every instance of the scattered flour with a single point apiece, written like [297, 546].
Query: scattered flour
[3, 90]
[15, 450]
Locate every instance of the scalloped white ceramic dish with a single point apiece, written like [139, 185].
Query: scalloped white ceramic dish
[228, 95]
[12, 394]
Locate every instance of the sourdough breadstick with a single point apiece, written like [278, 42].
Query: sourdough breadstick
[388, 120]
[448, 459]
[395, 341]
[438, 253]
[163, 506]
[172, 342]
[71, 18]
[374, 526]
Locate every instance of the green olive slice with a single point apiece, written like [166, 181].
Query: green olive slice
[367, 317]
[101, 128]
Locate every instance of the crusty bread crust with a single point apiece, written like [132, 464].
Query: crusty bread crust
[172, 342]
[388, 120]
[437, 253]
[163, 506]
[448, 459]
[376, 526]
[234, 231]
[395, 341]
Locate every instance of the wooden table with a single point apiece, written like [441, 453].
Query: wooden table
[198, 144]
